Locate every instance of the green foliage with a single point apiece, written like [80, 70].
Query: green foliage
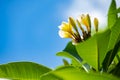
[112, 15]
[93, 50]
[22, 71]
[118, 10]
[114, 36]
[71, 52]
[74, 60]
[70, 48]
[88, 51]
[110, 56]
[101, 50]
[71, 73]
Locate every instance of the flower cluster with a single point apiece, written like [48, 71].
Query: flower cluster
[71, 29]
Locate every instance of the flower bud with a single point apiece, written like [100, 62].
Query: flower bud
[96, 24]
[87, 22]
[72, 22]
[80, 26]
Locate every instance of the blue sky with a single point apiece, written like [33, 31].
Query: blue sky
[29, 32]
[29, 28]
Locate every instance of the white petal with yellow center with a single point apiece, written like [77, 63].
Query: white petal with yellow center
[65, 27]
[64, 34]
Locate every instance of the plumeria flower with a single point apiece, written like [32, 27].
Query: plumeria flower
[70, 29]
[75, 29]
[64, 34]
[85, 20]
[66, 27]
[67, 30]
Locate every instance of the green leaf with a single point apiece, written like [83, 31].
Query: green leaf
[70, 48]
[111, 50]
[93, 51]
[66, 63]
[66, 54]
[110, 56]
[118, 10]
[22, 71]
[88, 51]
[112, 15]
[71, 73]
[70, 52]
[75, 62]
[116, 70]
[102, 43]
[118, 55]
[114, 36]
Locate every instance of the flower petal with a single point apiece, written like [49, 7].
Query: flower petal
[66, 27]
[64, 34]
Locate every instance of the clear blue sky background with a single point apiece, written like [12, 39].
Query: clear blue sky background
[29, 32]
[29, 28]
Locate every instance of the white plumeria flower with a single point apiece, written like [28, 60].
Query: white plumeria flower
[66, 27]
[70, 29]
[64, 34]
